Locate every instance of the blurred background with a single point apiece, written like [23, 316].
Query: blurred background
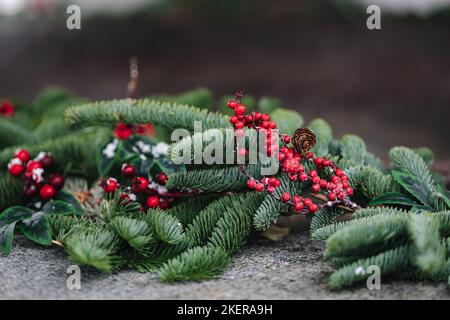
[391, 86]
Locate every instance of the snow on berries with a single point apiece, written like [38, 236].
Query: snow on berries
[324, 182]
[37, 180]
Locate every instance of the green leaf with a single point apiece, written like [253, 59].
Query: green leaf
[8, 220]
[70, 198]
[37, 228]
[6, 237]
[58, 207]
[105, 162]
[392, 198]
[168, 167]
[414, 185]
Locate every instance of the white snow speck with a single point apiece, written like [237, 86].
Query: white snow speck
[360, 271]
[160, 149]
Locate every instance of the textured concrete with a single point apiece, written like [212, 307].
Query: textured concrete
[289, 269]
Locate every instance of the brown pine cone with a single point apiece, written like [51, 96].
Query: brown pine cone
[303, 139]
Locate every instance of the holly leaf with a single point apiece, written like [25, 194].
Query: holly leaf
[58, 208]
[8, 220]
[415, 186]
[168, 167]
[37, 228]
[70, 198]
[392, 198]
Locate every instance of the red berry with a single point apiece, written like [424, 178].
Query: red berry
[56, 180]
[251, 184]
[29, 189]
[270, 189]
[140, 184]
[323, 183]
[327, 162]
[110, 185]
[292, 176]
[285, 197]
[128, 170]
[349, 191]
[313, 173]
[265, 117]
[331, 196]
[273, 181]
[259, 187]
[161, 178]
[335, 179]
[47, 192]
[309, 155]
[315, 179]
[16, 170]
[339, 172]
[153, 202]
[313, 207]
[257, 116]
[286, 139]
[315, 188]
[243, 152]
[33, 165]
[341, 195]
[239, 125]
[303, 176]
[240, 110]
[23, 155]
[232, 104]
[239, 133]
[234, 119]
[164, 204]
[123, 131]
[248, 118]
[307, 202]
[272, 125]
[298, 206]
[318, 161]
[47, 161]
[297, 199]
[331, 186]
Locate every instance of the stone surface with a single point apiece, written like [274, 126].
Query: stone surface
[290, 269]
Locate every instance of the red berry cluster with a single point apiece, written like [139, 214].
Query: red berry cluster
[150, 193]
[35, 180]
[123, 131]
[326, 179]
[6, 109]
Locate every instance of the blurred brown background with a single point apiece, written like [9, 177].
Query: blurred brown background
[391, 86]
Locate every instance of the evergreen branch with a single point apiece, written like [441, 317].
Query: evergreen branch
[389, 262]
[97, 247]
[353, 150]
[324, 135]
[324, 217]
[368, 235]
[195, 264]
[428, 253]
[135, 232]
[170, 115]
[212, 180]
[186, 211]
[166, 227]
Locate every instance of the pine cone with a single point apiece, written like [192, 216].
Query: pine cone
[303, 139]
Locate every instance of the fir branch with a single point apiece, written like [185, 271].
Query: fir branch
[170, 115]
[389, 262]
[368, 235]
[135, 232]
[324, 135]
[96, 246]
[195, 264]
[166, 227]
[428, 253]
[212, 180]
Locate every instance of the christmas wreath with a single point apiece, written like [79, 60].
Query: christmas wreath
[105, 182]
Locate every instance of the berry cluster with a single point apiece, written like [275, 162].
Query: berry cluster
[123, 131]
[6, 109]
[35, 180]
[324, 180]
[150, 193]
